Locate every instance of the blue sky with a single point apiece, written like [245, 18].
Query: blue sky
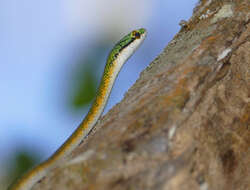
[38, 40]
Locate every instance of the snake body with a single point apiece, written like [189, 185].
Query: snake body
[117, 57]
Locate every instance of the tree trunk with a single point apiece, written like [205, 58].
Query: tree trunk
[185, 123]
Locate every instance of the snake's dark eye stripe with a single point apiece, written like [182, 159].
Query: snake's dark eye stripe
[137, 35]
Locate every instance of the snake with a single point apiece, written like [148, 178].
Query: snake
[119, 55]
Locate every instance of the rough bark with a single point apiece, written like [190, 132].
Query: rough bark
[185, 123]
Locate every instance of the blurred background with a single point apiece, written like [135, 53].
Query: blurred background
[52, 54]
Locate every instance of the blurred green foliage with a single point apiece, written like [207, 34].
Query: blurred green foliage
[21, 163]
[85, 77]
[84, 88]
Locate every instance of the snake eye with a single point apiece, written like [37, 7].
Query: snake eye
[136, 34]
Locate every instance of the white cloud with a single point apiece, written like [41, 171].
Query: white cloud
[90, 16]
